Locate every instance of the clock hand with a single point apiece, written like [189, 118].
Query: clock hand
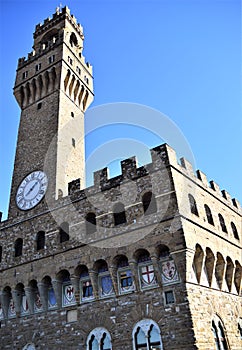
[31, 189]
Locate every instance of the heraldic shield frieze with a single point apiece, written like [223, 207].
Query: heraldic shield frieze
[126, 281]
[68, 295]
[147, 276]
[24, 306]
[11, 309]
[169, 273]
[37, 303]
[106, 285]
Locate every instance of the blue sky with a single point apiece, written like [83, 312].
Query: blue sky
[180, 57]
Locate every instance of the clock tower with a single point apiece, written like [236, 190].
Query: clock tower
[53, 87]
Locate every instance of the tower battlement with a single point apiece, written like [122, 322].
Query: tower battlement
[162, 156]
[51, 33]
[59, 15]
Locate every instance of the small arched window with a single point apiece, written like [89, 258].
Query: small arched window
[119, 214]
[219, 270]
[169, 273]
[91, 223]
[99, 339]
[234, 229]
[209, 214]
[124, 274]
[219, 334]
[237, 276]
[73, 39]
[52, 302]
[193, 205]
[68, 291]
[64, 232]
[222, 223]
[198, 262]
[40, 241]
[86, 289]
[146, 336]
[22, 299]
[146, 269]
[149, 203]
[105, 283]
[18, 247]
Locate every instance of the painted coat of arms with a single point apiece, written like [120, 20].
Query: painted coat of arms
[147, 276]
[25, 307]
[11, 309]
[37, 303]
[68, 295]
[169, 272]
[106, 285]
[126, 281]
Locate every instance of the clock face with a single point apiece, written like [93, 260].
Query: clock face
[31, 190]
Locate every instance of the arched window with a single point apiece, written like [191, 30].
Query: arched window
[125, 278]
[73, 39]
[105, 284]
[64, 232]
[48, 287]
[219, 334]
[99, 339]
[68, 292]
[219, 270]
[237, 276]
[149, 203]
[18, 247]
[146, 336]
[22, 300]
[222, 223]
[86, 289]
[91, 223]
[198, 262]
[229, 273]
[37, 303]
[146, 269]
[209, 265]
[40, 241]
[234, 229]
[119, 214]
[169, 273]
[193, 205]
[11, 312]
[209, 214]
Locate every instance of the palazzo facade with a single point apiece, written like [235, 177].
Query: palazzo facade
[149, 259]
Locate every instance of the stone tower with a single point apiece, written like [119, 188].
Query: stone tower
[54, 87]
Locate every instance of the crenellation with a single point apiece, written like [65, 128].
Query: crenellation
[129, 167]
[188, 166]
[226, 196]
[214, 186]
[100, 176]
[236, 203]
[202, 177]
[74, 186]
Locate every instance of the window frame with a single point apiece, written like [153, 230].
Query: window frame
[146, 325]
